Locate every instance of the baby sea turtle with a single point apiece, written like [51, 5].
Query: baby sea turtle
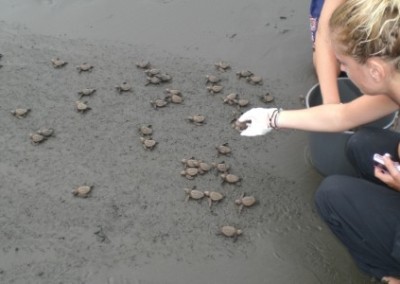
[190, 163]
[197, 119]
[190, 173]
[245, 201]
[172, 92]
[172, 98]
[144, 64]
[58, 63]
[82, 191]
[223, 149]
[148, 143]
[230, 232]
[86, 92]
[20, 112]
[212, 79]
[82, 106]
[153, 81]
[164, 77]
[231, 99]
[215, 89]
[158, 103]
[267, 98]
[46, 132]
[242, 103]
[145, 130]
[240, 125]
[221, 167]
[193, 193]
[37, 138]
[255, 80]
[213, 196]
[222, 66]
[85, 67]
[230, 178]
[244, 74]
[152, 72]
[123, 87]
[203, 167]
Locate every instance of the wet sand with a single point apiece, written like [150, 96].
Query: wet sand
[135, 227]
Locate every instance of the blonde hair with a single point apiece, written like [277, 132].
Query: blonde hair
[367, 28]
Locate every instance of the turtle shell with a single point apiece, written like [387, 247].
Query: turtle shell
[153, 80]
[176, 99]
[191, 163]
[86, 92]
[248, 201]
[230, 178]
[244, 74]
[21, 112]
[157, 103]
[148, 143]
[212, 79]
[46, 132]
[194, 193]
[85, 67]
[230, 231]
[164, 77]
[152, 72]
[146, 130]
[254, 79]
[223, 149]
[197, 119]
[81, 106]
[213, 195]
[221, 167]
[215, 89]
[267, 98]
[192, 171]
[58, 63]
[82, 191]
[37, 138]
[204, 167]
[222, 66]
[242, 102]
[123, 87]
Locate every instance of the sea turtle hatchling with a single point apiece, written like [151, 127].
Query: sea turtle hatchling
[230, 178]
[46, 132]
[222, 66]
[85, 67]
[37, 138]
[267, 98]
[58, 63]
[145, 130]
[231, 99]
[242, 103]
[86, 92]
[190, 173]
[82, 191]
[123, 87]
[148, 143]
[82, 106]
[240, 125]
[197, 119]
[212, 79]
[144, 64]
[221, 167]
[152, 80]
[158, 103]
[175, 99]
[190, 163]
[203, 167]
[164, 77]
[244, 74]
[152, 72]
[245, 201]
[20, 112]
[213, 196]
[224, 149]
[172, 92]
[193, 193]
[230, 232]
[254, 80]
[214, 89]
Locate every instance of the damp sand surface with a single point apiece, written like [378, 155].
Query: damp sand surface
[135, 226]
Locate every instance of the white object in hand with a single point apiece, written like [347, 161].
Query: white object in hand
[257, 120]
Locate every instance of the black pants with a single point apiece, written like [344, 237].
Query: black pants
[363, 212]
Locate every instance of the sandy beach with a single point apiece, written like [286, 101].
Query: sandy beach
[135, 226]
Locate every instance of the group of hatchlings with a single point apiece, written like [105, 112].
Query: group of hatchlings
[192, 167]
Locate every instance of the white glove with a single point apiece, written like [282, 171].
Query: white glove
[258, 121]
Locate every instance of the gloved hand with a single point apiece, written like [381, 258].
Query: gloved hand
[258, 121]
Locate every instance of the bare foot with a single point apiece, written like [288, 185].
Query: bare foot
[390, 280]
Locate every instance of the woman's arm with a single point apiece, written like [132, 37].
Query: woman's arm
[339, 117]
[324, 59]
